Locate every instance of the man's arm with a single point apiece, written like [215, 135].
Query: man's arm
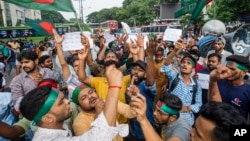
[82, 55]
[178, 47]
[138, 102]
[140, 43]
[220, 72]
[64, 65]
[101, 54]
[150, 69]
[114, 77]
[10, 132]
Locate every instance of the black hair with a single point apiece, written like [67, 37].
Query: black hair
[195, 52]
[214, 55]
[41, 48]
[42, 59]
[194, 46]
[224, 116]
[33, 101]
[27, 54]
[172, 101]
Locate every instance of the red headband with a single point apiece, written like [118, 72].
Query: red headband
[53, 84]
[159, 53]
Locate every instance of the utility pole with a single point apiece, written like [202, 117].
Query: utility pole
[81, 11]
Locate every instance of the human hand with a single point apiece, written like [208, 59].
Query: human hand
[179, 45]
[58, 39]
[83, 53]
[114, 76]
[151, 47]
[132, 90]
[133, 49]
[220, 72]
[85, 41]
[138, 104]
[100, 32]
[140, 40]
[99, 105]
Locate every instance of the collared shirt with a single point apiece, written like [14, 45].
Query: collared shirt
[100, 131]
[72, 82]
[149, 93]
[184, 92]
[23, 83]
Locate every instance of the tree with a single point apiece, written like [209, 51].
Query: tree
[54, 16]
[231, 10]
[139, 11]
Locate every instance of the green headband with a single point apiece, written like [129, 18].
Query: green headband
[164, 108]
[190, 60]
[236, 65]
[46, 105]
[76, 93]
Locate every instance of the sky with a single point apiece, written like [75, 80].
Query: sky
[90, 6]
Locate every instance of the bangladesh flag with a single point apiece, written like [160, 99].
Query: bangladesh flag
[198, 8]
[41, 27]
[47, 5]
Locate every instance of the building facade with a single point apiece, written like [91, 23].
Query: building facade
[13, 15]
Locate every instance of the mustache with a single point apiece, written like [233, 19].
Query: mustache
[110, 62]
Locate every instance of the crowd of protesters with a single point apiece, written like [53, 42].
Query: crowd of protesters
[122, 90]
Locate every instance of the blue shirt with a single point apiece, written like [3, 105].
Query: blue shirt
[149, 92]
[238, 96]
[185, 93]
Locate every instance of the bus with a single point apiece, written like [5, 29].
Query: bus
[153, 28]
[110, 26]
[159, 28]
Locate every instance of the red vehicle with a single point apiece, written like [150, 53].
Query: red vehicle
[110, 26]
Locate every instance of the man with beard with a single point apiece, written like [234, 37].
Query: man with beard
[161, 80]
[48, 108]
[143, 76]
[31, 75]
[212, 63]
[227, 84]
[91, 105]
[218, 47]
[45, 61]
[100, 84]
[184, 89]
[167, 114]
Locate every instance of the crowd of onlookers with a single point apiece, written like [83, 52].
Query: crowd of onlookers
[122, 90]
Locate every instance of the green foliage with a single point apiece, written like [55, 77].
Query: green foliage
[54, 16]
[132, 11]
[230, 10]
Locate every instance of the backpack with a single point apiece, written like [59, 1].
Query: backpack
[5, 52]
[1, 52]
[176, 81]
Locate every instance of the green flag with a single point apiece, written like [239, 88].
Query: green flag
[184, 10]
[41, 27]
[198, 8]
[47, 5]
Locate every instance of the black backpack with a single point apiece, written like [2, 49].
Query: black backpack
[176, 81]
